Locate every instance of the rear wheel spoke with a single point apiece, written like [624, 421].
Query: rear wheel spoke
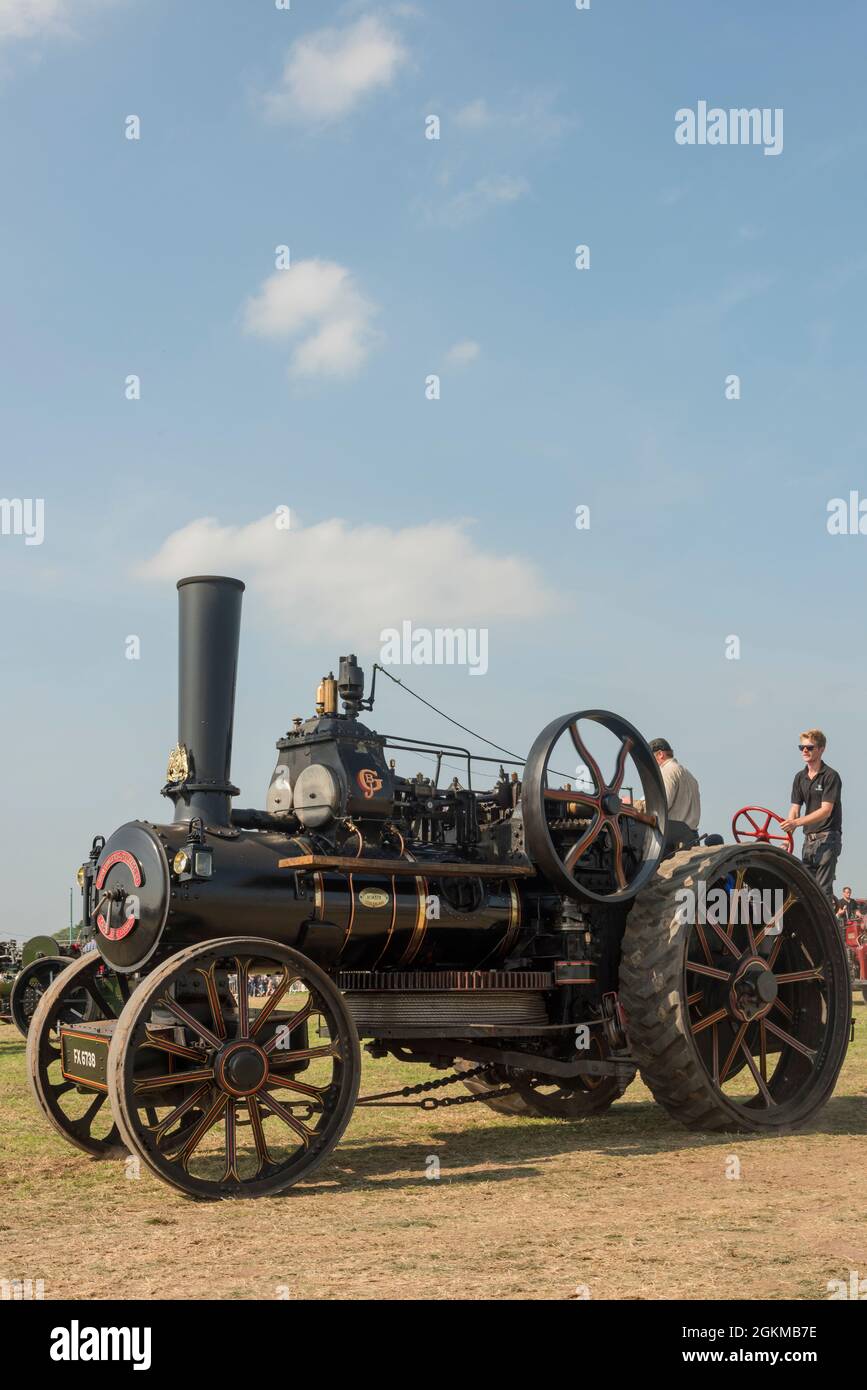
[788, 1038]
[757, 1076]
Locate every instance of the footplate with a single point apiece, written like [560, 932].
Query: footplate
[84, 1053]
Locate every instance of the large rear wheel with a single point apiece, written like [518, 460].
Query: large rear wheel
[734, 982]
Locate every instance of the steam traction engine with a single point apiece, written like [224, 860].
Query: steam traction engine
[532, 937]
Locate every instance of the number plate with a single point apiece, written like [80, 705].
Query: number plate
[85, 1057]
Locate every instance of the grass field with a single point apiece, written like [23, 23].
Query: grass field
[626, 1206]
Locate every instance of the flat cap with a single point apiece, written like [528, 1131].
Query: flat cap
[660, 745]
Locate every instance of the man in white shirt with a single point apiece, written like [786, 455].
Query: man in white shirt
[681, 793]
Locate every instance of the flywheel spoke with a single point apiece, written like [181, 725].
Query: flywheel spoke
[620, 767]
[586, 757]
[581, 846]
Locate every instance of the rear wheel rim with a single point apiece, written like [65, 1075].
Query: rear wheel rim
[762, 994]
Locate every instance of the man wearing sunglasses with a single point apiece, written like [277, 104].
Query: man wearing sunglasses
[817, 788]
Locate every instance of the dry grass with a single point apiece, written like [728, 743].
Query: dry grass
[630, 1205]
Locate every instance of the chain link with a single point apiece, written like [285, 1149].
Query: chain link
[383, 1099]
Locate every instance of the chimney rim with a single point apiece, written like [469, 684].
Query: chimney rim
[212, 579]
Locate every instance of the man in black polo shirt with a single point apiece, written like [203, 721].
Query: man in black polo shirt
[818, 789]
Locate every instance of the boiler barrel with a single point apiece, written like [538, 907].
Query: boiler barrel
[356, 920]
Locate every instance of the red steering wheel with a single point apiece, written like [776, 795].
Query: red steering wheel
[756, 830]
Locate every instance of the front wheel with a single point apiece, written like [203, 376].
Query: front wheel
[234, 1068]
[82, 991]
[735, 986]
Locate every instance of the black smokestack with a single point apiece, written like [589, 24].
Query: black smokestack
[209, 630]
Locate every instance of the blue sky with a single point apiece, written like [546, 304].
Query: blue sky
[605, 387]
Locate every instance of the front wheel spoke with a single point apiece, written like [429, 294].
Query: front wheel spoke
[709, 970]
[210, 978]
[287, 1028]
[302, 1087]
[273, 1000]
[792, 1041]
[304, 1134]
[179, 1012]
[735, 1047]
[207, 1122]
[90, 1114]
[101, 1000]
[327, 1050]
[173, 1078]
[230, 1173]
[168, 1045]
[710, 1020]
[161, 1128]
[243, 968]
[262, 1153]
[187, 1019]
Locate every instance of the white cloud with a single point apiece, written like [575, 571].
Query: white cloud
[352, 581]
[531, 120]
[27, 19]
[461, 354]
[494, 190]
[320, 302]
[476, 115]
[330, 70]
